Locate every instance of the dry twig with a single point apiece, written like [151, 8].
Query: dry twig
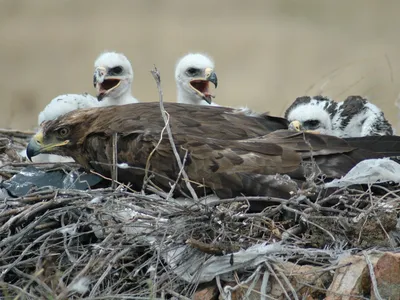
[157, 78]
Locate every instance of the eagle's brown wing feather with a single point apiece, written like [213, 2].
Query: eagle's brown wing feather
[309, 144]
[191, 119]
[227, 167]
[210, 162]
[334, 156]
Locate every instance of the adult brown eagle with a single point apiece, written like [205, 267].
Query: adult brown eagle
[227, 152]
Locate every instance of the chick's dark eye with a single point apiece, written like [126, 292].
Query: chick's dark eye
[116, 70]
[312, 123]
[192, 71]
[63, 131]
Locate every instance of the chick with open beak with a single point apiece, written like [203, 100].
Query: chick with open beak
[193, 74]
[112, 78]
[108, 80]
[201, 85]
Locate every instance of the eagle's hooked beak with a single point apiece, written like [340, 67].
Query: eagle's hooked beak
[36, 145]
[201, 85]
[104, 83]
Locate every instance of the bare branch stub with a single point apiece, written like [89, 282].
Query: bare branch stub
[156, 75]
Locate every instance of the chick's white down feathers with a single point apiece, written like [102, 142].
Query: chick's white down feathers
[63, 104]
[183, 77]
[312, 114]
[57, 107]
[357, 117]
[118, 67]
[354, 117]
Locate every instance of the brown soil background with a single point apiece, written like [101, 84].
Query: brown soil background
[266, 52]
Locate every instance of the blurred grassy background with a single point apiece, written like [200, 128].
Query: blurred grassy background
[267, 52]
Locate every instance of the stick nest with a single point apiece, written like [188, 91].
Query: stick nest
[118, 244]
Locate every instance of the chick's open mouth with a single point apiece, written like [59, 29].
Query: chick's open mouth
[105, 87]
[202, 86]
[108, 84]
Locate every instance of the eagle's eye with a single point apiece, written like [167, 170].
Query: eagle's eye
[192, 71]
[116, 70]
[62, 132]
[311, 124]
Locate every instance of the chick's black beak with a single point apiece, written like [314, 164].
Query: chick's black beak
[213, 78]
[101, 96]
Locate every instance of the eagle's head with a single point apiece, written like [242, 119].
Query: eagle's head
[113, 75]
[312, 114]
[193, 74]
[63, 135]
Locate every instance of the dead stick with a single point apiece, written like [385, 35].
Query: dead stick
[171, 191]
[18, 133]
[157, 78]
[372, 276]
[114, 161]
